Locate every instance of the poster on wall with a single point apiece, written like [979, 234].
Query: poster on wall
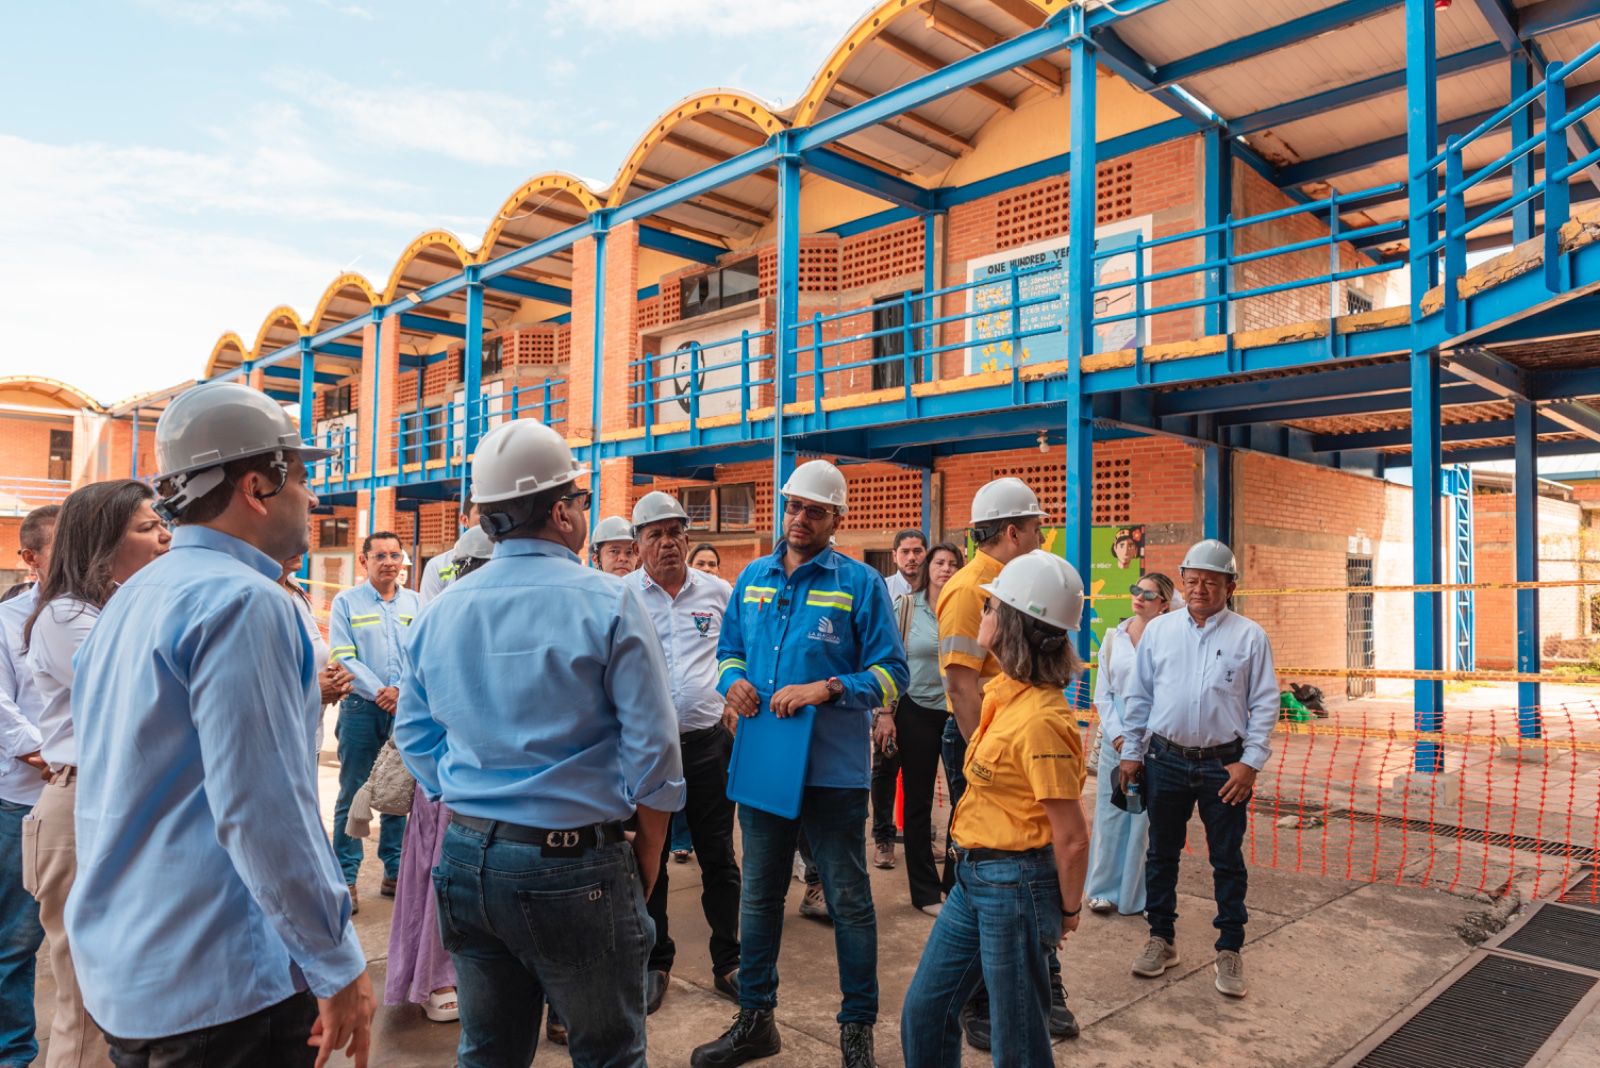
[719, 366]
[1043, 267]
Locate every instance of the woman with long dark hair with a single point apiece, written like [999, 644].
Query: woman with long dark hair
[105, 533]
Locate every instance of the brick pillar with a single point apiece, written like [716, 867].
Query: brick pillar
[580, 366]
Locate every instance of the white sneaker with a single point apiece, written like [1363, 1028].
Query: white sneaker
[1230, 974]
[933, 909]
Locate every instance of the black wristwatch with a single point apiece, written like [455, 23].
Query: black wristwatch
[835, 688]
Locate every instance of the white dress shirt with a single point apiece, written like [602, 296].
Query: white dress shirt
[20, 706]
[1202, 686]
[898, 586]
[1117, 654]
[57, 633]
[689, 626]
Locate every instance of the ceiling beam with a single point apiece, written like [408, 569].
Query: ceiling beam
[728, 205]
[900, 131]
[911, 53]
[1483, 430]
[1484, 368]
[685, 248]
[924, 127]
[849, 171]
[1501, 19]
[974, 35]
[1577, 416]
[746, 135]
[1553, 15]
[1272, 38]
[530, 290]
[711, 155]
[417, 323]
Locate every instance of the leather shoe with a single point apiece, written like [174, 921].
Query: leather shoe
[655, 989]
[727, 985]
[1062, 1023]
[752, 1036]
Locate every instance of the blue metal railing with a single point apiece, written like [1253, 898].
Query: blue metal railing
[430, 436]
[677, 395]
[333, 474]
[19, 496]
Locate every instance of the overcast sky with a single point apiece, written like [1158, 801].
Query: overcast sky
[171, 169]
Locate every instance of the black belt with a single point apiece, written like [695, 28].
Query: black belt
[1227, 752]
[977, 856]
[570, 839]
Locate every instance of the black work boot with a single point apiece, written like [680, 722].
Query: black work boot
[855, 1042]
[752, 1036]
[975, 1019]
[1062, 1023]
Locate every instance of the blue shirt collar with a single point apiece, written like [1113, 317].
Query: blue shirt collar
[533, 547]
[827, 558]
[202, 537]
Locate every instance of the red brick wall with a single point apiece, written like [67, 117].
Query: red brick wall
[1494, 560]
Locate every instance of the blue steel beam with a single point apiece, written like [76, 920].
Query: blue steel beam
[1576, 416]
[1272, 38]
[1522, 216]
[1120, 58]
[1372, 404]
[1453, 434]
[323, 378]
[429, 324]
[472, 374]
[788, 314]
[1494, 373]
[685, 248]
[1078, 517]
[1553, 15]
[521, 287]
[333, 348]
[856, 175]
[1501, 19]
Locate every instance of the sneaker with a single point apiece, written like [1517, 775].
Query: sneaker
[1062, 1023]
[933, 909]
[1158, 956]
[975, 1020]
[855, 1042]
[1101, 904]
[883, 856]
[753, 1035]
[814, 906]
[1230, 974]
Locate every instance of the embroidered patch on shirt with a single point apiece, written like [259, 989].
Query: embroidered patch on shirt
[824, 632]
[702, 622]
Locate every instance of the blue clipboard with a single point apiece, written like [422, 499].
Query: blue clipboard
[768, 767]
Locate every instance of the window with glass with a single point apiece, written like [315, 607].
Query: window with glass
[60, 465]
[700, 502]
[338, 401]
[736, 507]
[889, 340]
[334, 533]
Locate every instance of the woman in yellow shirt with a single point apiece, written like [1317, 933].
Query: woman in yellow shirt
[1021, 841]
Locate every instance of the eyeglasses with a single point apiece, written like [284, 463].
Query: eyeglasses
[580, 500]
[814, 512]
[1142, 594]
[987, 606]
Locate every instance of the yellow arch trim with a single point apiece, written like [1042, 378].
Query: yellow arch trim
[550, 182]
[712, 101]
[52, 386]
[441, 238]
[349, 280]
[282, 313]
[871, 25]
[227, 341]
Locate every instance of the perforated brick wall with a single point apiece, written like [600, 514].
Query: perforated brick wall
[650, 312]
[1113, 489]
[1041, 210]
[873, 257]
[882, 499]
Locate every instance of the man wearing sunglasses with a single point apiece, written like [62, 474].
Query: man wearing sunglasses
[808, 625]
[536, 706]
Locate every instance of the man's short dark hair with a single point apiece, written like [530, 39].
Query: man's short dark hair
[37, 525]
[213, 504]
[906, 535]
[526, 516]
[378, 535]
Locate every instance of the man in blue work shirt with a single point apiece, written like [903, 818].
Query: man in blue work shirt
[367, 629]
[536, 707]
[809, 626]
[208, 921]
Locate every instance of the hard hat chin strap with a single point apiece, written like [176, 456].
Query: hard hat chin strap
[187, 488]
[280, 467]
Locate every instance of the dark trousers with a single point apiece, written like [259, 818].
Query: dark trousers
[275, 1037]
[919, 730]
[710, 817]
[885, 774]
[1174, 785]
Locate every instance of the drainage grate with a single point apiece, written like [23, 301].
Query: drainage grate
[1557, 933]
[1585, 893]
[1496, 1015]
[1519, 842]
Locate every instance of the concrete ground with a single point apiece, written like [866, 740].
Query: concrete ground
[1309, 937]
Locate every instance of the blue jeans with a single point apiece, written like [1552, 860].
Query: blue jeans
[20, 937]
[1118, 844]
[679, 839]
[522, 927]
[998, 925]
[835, 825]
[362, 729]
[1173, 786]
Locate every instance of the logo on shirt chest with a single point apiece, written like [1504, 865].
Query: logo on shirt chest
[824, 632]
[702, 622]
[984, 772]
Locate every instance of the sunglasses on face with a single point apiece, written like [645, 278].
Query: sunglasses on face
[814, 512]
[580, 500]
[1142, 594]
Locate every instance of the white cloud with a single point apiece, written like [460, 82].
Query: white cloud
[474, 126]
[227, 13]
[725, 18]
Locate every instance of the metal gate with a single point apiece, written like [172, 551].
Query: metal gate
[1359, 650]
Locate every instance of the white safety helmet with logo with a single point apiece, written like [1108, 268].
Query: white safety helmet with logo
[1210, 555]
[655, 506]
[611, 528]
[819, 482]
[520, 458]
[1042, 587]
[1004, 498]
[214, 424]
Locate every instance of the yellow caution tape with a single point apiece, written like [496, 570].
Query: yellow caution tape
[1433, 587]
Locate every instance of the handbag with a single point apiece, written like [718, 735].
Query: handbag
[390, 783]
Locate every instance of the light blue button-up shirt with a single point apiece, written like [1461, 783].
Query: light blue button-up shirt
[368, 635]
[1202, 686]
[20, 705]
[536, 693]
[206, 888]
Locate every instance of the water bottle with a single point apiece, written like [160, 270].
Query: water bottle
[1133, 796]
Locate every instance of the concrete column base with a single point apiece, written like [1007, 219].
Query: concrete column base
[1442, 788]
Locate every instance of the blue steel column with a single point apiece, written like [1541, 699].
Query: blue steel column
[785, 338]
[602, 222]
[133, 453]
[1521, 130]
[377, 387]
[1079, 495]
[1218, 493]
[1525, 488]
[472, 378]
[1218, 207]
[308, 391]
[930, 282]
[1422, 141]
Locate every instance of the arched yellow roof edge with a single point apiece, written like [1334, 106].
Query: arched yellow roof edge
[227, 340]
[550, 181]
[442, 238]
[726, 101]
[871, 25]
[279, 314]
[40, 382]
[348, 280]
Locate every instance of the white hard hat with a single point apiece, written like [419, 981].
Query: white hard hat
[611, 528]
[1004, 498]
[1043, 587]
[656, 506]
[817, 481]
[519, 458]
[214, 424]
[474, 544]
[1210, 555]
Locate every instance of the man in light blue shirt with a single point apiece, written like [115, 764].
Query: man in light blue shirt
[1197, 725]
[208, 919]
[21, 783]
[368, 628]
[536, 707]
